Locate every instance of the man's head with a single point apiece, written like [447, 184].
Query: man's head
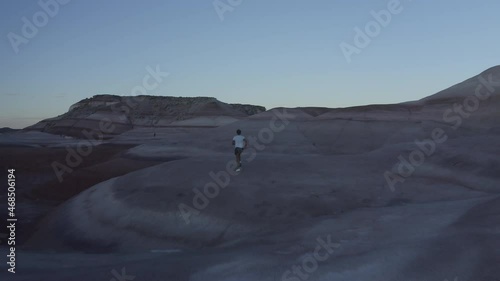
[238, 132]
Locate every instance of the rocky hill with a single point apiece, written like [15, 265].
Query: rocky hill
[7, 130]
[127, 112]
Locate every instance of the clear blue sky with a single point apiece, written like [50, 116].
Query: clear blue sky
[266, 52]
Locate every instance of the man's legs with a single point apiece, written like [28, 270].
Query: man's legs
[238, 156]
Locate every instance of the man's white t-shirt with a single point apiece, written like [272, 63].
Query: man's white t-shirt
[239, 141]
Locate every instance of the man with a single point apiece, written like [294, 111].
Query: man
[239, 143]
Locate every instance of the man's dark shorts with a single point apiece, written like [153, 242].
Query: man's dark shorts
[238, 150]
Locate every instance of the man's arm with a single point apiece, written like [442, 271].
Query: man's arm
[246, 142]
[233, 143]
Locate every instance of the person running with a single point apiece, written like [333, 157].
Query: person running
[239, 143]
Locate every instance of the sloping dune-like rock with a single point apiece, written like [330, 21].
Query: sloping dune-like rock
[489, 78]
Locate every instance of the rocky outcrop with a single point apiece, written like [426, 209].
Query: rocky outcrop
[248, 109]
[128, 112]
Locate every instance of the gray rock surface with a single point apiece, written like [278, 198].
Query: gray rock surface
[309, 175]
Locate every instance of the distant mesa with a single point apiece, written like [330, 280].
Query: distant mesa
[5, 130]
[128, 112]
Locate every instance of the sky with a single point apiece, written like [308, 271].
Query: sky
[265, 52]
